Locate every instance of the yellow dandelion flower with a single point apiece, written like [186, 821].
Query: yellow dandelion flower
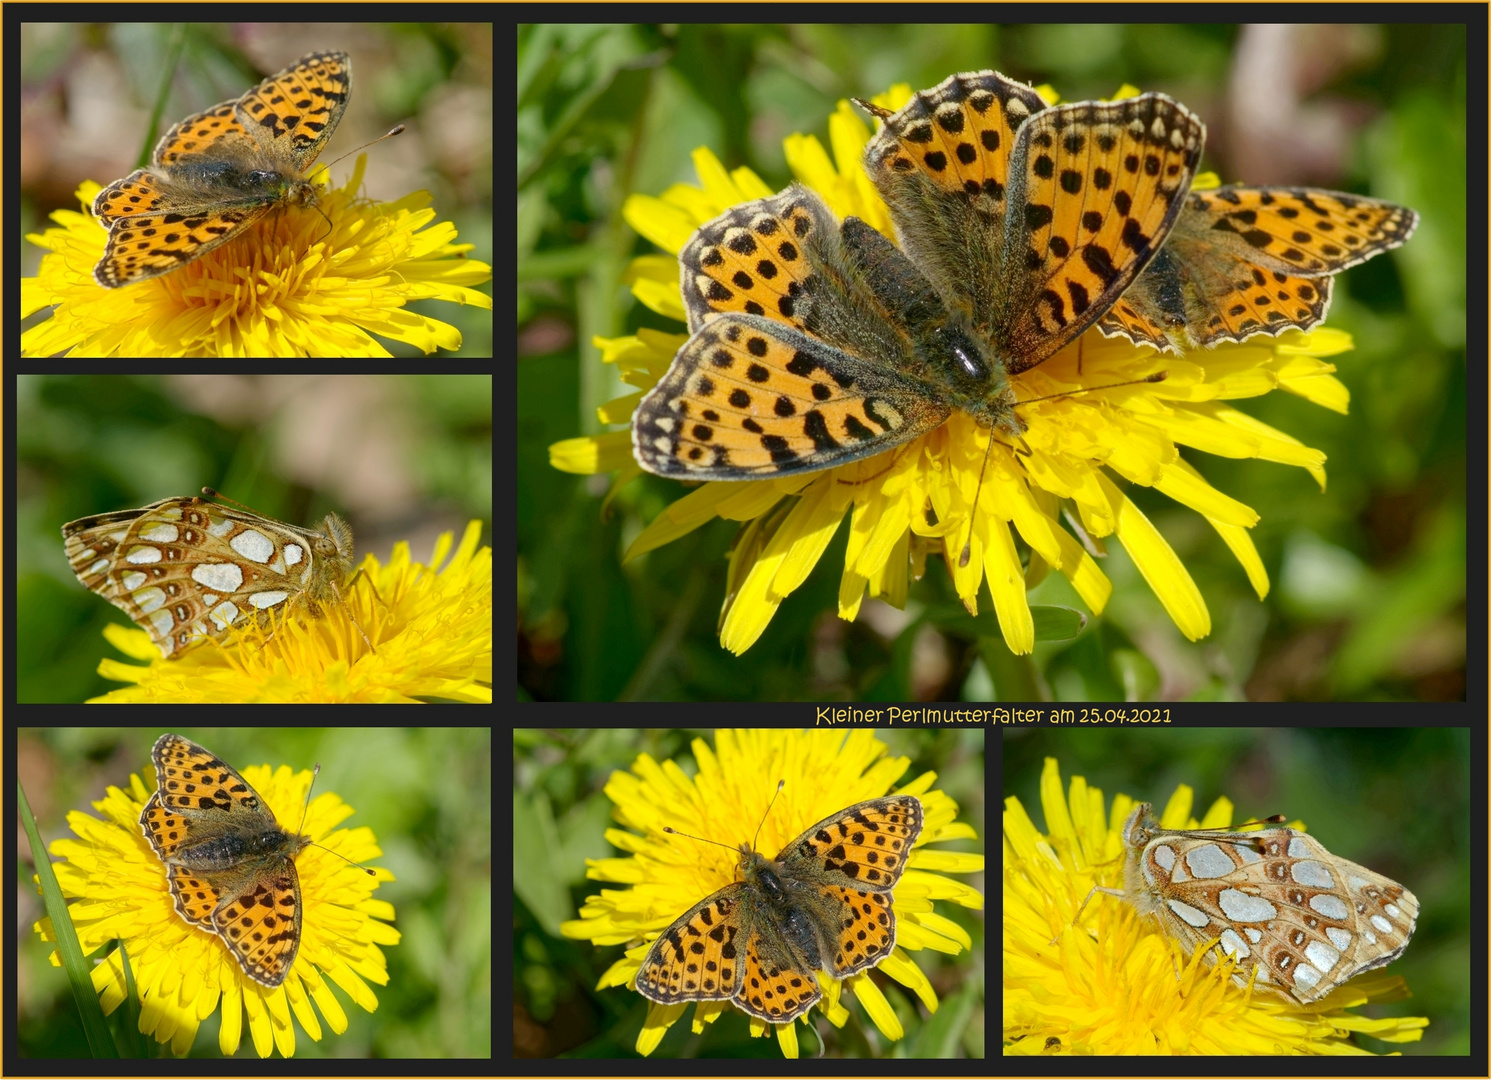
[781, 920]
[321, 281]
[1007, 478]
[412, 631]
[185, 973]
[1118, 983]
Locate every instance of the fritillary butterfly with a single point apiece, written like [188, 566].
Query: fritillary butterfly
[823, 904]
[1281, 905]
[217, 172]
[229, 864]
[1243, 261]
[817, 342]
[185, 569]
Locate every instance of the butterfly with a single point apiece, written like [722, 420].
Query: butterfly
[1277, 901]
[823, 904]
[230, 866]
[215, 173]
[816, 342]
[185, 569]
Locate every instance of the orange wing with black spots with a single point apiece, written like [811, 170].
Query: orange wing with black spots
[957, 136]
[747, 397]
[817, 343]
[1101, 184]
[855, 858]
[700, 957]
[1245, 260]
[1032, 219]
[755, 259]
[824, 904]
[229, 864]
[806, 352]
[941, 163]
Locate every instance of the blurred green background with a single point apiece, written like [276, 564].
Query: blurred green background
[561, 813]
[1395, 800]
[425, 792]
[1367, 598]
[92, 87]
[398, 457]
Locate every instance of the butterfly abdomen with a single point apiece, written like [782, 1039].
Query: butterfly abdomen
[222, 852]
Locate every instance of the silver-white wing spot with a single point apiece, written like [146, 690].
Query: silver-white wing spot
[252, 545]
[224, 577]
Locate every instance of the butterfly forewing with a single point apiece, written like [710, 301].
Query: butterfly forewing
[1276, 899]
[184, 569]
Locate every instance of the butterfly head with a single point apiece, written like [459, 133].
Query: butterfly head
[335, 541]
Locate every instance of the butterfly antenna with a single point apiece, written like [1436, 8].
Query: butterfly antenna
[691, 836]
[967, 552]
[1276, 819]
[780, 785]
[306, 811]
[1158, 376]
[397, 130]
[213, 493]
[968, 540]
[716, 843]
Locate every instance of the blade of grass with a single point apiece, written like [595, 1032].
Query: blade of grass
[79, 977]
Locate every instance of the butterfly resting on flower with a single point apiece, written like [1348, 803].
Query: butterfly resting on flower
[816, 341]
[186, 569]
[823, 904]
[1275, 899]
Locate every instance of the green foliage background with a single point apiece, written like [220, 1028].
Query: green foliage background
[1395, 800]
[398, 457]
[1367, 597]
[427, 795]
[560, 814]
